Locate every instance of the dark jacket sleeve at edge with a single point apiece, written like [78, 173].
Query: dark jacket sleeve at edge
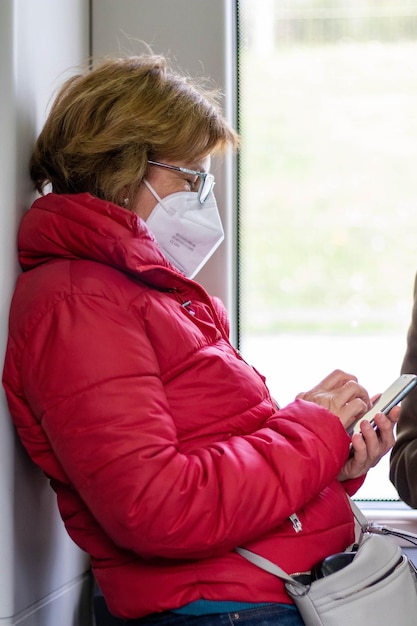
[403, 463]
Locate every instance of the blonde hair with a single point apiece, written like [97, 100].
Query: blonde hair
[107, 122]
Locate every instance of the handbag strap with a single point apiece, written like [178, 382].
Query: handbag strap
[359, 516]
[378, 529]
[366, 527]
[268, 566]
[361, 521]
[274, 569]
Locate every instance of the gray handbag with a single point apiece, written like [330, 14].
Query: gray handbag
[372, 583]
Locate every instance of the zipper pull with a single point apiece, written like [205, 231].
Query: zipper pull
[185, 305]
[295, 521]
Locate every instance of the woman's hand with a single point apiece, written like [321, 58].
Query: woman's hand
[369, 446]
[341, 394]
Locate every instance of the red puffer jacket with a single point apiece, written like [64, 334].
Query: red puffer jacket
[164, 447]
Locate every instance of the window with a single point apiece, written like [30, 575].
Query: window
[328, 198]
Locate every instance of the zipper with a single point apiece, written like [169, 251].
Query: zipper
[186, 306]
[295, 521]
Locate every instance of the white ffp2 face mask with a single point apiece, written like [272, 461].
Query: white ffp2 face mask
[187, 231]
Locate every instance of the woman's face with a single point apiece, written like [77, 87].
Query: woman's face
[166, 181]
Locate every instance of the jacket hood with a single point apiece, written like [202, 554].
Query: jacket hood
[81, 226]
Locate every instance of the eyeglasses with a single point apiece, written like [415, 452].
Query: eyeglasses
[207, 181]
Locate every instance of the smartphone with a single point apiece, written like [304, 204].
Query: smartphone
[387, 400]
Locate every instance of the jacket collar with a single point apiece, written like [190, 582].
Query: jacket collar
[81, 226]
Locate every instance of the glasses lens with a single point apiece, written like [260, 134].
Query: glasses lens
[207, 185]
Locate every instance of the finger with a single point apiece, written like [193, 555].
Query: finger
[360, 458]
[394, 414]
[351, 411]
[359, 447]
[385, 430]
[351, 390]
[371, 438]
[375, 398]
[369, 446]
[336, 379]
[380, 441]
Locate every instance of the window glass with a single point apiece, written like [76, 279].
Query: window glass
[328, 194]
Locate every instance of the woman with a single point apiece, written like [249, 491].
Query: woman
[164, 447]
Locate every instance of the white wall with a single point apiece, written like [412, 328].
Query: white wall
[198, 36]
[42, 573]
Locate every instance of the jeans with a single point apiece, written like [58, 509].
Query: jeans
[271, 615]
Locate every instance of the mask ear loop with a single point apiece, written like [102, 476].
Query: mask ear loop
[158, 199]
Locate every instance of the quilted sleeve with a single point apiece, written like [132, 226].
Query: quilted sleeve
[93, 382]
